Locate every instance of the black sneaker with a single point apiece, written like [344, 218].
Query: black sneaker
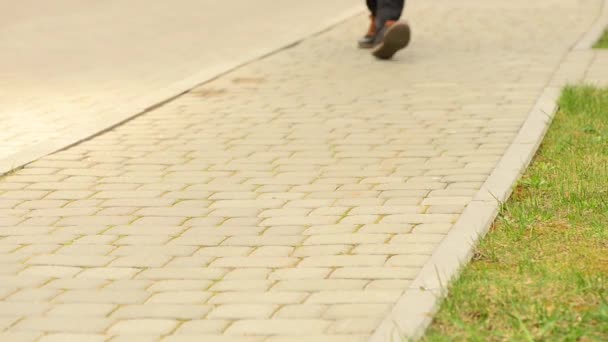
[368, 41]
[394, 36]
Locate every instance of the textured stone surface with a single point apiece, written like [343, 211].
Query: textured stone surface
[295, 198]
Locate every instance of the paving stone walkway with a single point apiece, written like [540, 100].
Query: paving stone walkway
[291, 200]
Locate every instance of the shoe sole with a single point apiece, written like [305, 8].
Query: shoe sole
[396, 38]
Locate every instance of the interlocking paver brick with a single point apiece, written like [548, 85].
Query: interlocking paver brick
[243, 311]
[73, 337]
[81, 309]
[143, 327]
[208, 326]
[258, 298]
[64, 324]
[375, 273]
[102, 296]
[356, 238]
[182, 273]
[278, 327]
[165, 311]
[354, 326]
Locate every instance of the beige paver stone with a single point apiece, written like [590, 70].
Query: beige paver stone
[162, 311]
[353, 297]
[398, 284]
[211, 338]
[81, 309]
[278, 326]
[103, 296]
[284, 212]
[140, 261]
[305, 251]
[79, 249]
[304, 311]
[408, 260]
[237, 311]
[360, 219]
[356, 238]
[417, 238]
[331, 229]
[33, 295]
[284, 230]
[109, 273]
[342, 260]
[66, 260]
[375, 273]
[143, 327]
[251, 261]
[66, 283]
[320, 338]
[433, 228]
[12, 309]
[208, 326]
[96, 240]
[180, 297]
[300, 273]
[20, 336]
[198, 240]
[73, 338]
[224, 251]
[241, 285]
[148, 230]
[95, 220]
[236, 212]
[143, 240]
[243, 297]
[180, 285]
[300, 220]
[264, 240]
[204, 221]
[224, 230]
[51, 271]
[64, 324]
[70, 194]
[312, 285]
[248, 273]
[355, 326]
[345, 311]
[169, 250]
[193, 261]
[272, 251]
[388, 249]
[159, 220]
[386, 228]
[420, 218]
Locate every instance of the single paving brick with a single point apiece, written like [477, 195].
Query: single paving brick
[143, 327]
[278, 327]
[243, 311]
[162, 311]
[64, 324]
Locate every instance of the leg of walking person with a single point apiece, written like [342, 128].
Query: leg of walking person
[392, 35]
[367, 41]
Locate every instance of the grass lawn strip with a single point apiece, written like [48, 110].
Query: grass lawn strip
[541, 274]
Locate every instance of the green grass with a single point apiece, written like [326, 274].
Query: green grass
[603, 42]
[541, 274]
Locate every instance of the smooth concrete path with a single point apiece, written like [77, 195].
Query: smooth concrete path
[71, 68]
